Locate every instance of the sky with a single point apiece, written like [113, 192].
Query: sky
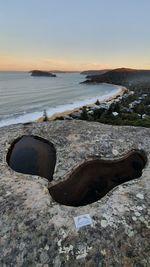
[74, 35]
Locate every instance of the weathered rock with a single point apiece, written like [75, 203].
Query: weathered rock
[37, 231]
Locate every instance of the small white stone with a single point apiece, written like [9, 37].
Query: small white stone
[79, 257]
[139, 195]
[139, 208]
[148, 225]
[103, 252]
[59, 242]
[46, 247]
[8, 193]
[115, 152]
[106, 216]
[137, 214]
[134, 218]
[103, 223]
[130, 233]
[141, 219]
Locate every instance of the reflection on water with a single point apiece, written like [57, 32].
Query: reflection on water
[94, 179]
[32, 155]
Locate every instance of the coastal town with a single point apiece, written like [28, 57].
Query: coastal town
[130, 106]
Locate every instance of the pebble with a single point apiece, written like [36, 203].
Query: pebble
[103, 223]
[137, 214]
[139, 195]
[115, 152]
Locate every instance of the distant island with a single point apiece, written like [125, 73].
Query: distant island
[40, 73]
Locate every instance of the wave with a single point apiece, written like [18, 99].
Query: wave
[30, 117]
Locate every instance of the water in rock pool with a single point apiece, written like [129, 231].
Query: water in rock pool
[32, 155]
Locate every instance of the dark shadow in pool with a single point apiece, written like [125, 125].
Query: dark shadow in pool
[32, 155]
[94, 179]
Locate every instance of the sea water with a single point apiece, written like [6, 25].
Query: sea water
[23, 98]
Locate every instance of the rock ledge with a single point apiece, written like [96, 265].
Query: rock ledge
[37, 231]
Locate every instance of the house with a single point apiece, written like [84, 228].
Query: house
[115, 113]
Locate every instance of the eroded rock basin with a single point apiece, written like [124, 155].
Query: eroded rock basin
[87, 183]
[94, 179]
[32, 155]
[37, 231]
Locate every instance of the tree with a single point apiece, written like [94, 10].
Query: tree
[45, 117]
[97, 102]
[84, 115]
[140, 109]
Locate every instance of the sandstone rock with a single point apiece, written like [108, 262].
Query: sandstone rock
[37, 231]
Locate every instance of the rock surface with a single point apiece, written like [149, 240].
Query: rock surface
[37, 231]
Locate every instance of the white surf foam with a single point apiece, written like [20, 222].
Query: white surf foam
[30, 117]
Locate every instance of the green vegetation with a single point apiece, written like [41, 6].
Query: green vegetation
[84, 114]
[45, 117]
[132, 108]
[97, 102]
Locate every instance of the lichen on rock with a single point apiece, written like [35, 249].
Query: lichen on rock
[37, 231]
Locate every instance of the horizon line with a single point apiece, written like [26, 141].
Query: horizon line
[64, 70]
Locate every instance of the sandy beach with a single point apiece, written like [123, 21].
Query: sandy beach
[121, 90]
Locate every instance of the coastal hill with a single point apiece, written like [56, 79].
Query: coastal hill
[63, 71]
[120, 76]
[94, 72]
[40, 73]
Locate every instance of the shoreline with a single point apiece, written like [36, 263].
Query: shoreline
[120, 92]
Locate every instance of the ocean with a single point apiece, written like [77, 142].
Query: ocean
[23, 98]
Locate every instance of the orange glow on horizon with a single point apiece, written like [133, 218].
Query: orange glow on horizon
[10, 63]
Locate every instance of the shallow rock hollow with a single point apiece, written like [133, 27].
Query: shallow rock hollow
[37, 231]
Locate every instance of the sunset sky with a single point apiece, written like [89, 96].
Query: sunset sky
[74, 35]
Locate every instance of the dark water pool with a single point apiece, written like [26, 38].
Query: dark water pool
[94, 179]
[32, 155]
